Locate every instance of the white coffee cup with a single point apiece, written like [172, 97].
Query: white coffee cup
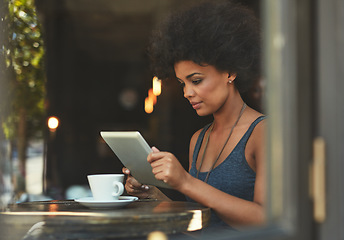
[106, 187]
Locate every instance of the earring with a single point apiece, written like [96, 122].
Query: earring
[230, 81]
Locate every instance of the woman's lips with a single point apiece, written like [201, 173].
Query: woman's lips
[196, 105]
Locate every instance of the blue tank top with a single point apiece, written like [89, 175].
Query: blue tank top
[233, 176]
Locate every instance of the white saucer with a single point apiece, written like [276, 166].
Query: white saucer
[91, 203]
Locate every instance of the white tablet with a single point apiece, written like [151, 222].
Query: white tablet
[131, 148]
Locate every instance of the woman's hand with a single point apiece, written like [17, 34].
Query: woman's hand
[166, 167]
[133, 187]
[142, 191]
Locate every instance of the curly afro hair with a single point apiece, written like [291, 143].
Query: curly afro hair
[223, 34]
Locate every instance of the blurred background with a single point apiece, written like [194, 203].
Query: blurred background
[81, 66]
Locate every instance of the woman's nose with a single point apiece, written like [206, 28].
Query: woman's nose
[188, 91]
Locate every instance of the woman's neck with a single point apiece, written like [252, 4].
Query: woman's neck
[228, 114]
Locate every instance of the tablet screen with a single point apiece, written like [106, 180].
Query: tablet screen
[132, 150]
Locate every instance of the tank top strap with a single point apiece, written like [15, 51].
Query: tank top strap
[250, 129]
[199, 143]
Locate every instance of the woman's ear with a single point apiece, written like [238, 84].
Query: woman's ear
[231, 77]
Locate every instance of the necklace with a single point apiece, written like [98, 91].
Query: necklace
[207, 140]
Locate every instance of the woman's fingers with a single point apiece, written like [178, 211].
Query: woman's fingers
[157, 156]
[155, 149]
[126, 170]
[161, 163]
[133, 182]
[134, 187]
[166, 167]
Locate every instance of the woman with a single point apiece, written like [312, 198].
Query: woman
[213, 51]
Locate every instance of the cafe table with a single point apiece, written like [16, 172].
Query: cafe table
[68, 219]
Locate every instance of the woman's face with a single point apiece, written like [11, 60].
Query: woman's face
[205, 87]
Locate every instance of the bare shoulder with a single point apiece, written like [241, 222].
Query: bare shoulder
[254, 115]
[194, 138]
[258, 134]
[257, 140]
[260, 127]
[255, 147]
[192, 145]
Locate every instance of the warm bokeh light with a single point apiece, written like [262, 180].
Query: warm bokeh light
[149, 105]
[53, 123]
[157, 235]
[156, 86]
[53, 207]
[196, 222]
[151, 100]
[152, 96]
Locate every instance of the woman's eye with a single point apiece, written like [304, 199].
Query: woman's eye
[182, 84]
[197, 81]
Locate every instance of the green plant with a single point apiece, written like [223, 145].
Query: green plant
[22, 52]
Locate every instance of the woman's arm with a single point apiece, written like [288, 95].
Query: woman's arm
[234, 211]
